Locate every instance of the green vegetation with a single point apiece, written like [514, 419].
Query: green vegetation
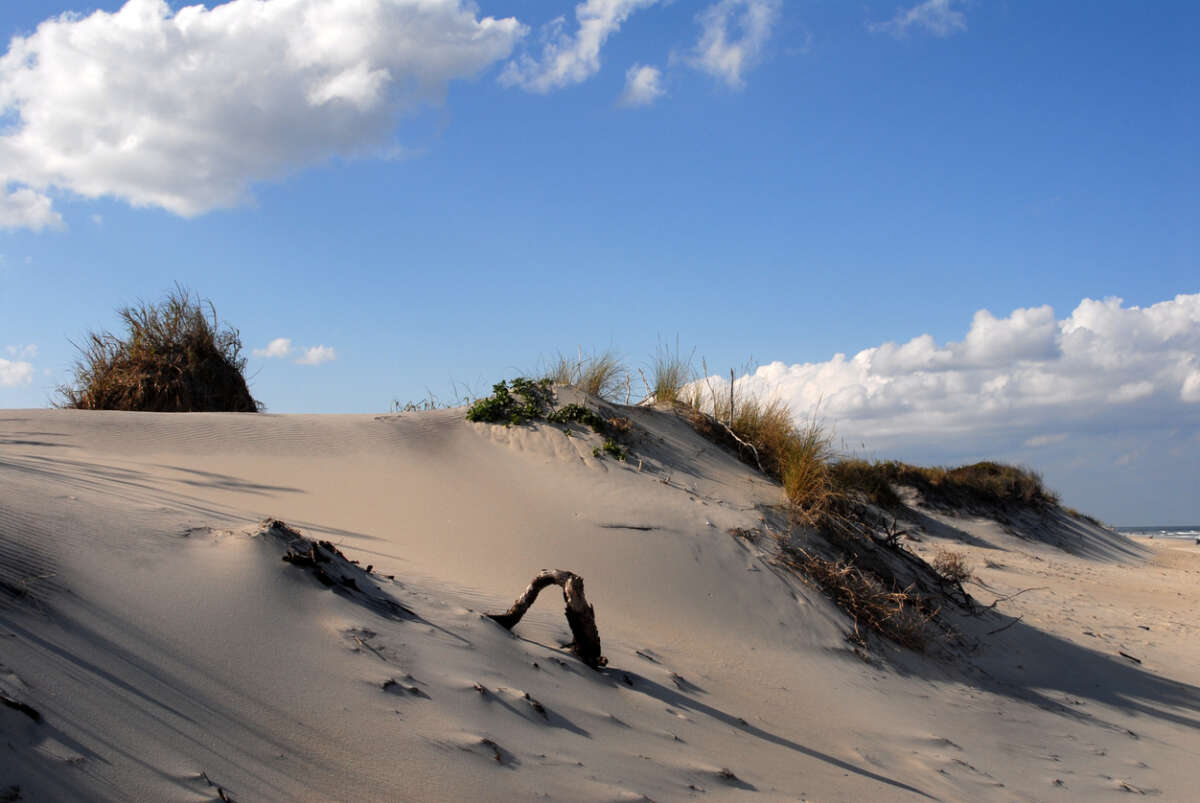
[579, 414]
[525, 401]
[174, 357]
[611, 448]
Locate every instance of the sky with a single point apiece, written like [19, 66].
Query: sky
[952, 230]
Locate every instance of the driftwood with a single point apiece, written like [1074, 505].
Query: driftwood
[580, 615]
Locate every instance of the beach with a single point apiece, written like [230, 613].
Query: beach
[148, 619]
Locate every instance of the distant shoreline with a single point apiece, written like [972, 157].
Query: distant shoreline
[1184, 531]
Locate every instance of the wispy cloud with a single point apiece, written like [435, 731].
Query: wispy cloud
[1037, 441]
[733, 35]
[571, 59]
[643, 86]
[279, 347]
[317, 355]
[937, 17]
[214, 99]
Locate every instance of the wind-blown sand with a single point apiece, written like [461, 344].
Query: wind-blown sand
[147, 617]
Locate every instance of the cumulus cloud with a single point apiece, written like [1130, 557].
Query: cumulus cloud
[185, 110]
[1026, 379]
[317, 355]
[23, 208]
[643, 86]
[732, 38]
[19, 371]
[26, 352]
[279, 347]
[938, 17]
[571, 59]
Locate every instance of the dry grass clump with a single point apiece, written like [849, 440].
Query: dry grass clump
[764, 434]
[895, 613]
[599, 373]
[985, 483]
[864, 476]
[951, 565]
[672, 376]
[174, 357]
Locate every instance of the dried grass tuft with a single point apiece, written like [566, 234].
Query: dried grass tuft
[174, 357]
[599, 373]
[897, 614]
[952, 565]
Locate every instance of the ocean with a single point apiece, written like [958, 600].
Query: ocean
[1187, 532]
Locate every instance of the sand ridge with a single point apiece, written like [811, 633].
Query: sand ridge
[173, 655]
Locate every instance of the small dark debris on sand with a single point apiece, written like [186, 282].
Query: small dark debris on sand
[331, 567]
[222, 792]
[24, 708]
[396, 687]
[536, 706]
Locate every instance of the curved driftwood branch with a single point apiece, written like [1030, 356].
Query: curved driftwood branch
[580, 615]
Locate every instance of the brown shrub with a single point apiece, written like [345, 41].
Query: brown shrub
[895, 613]
[985, 483]
[173, 358]
[952, 565]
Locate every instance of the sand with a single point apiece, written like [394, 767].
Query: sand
[147, 617]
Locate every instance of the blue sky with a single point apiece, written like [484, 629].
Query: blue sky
[440, 199]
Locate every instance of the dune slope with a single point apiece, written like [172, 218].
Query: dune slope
[168, 653]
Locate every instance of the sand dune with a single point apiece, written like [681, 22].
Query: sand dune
[146, 616]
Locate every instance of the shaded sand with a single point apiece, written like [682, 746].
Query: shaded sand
[147, 617]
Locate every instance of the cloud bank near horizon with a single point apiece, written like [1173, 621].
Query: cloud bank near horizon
[184, 110]
[1025, 381]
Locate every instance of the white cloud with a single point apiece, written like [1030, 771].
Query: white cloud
[27, 352]
[317, 355]
[15, 373]
[1045, 440]
[938, 17]
[279, 347]
[1190, 392]
[23, 208]
[568, 60]
[1105, 368]
[732, 38]
[185, 110]
[643, 86]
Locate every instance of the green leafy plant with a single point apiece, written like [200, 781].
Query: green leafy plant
[578, 413]
[611, 448]
[524, 401]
